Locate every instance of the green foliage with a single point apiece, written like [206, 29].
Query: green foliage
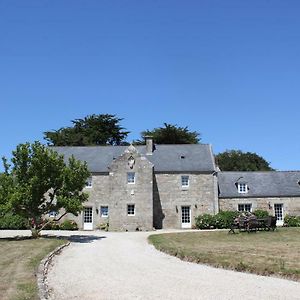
[39, 182]
[292, 221]
[205, 221]
[221, 220]
[171, 134]
[12, 221]
[68, 225]
[103, 129]
[224, 219]
[236, 160]
[261, 213]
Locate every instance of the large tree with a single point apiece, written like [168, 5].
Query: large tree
[39, 182]
[171, 134]
[103, 129]
[236, 160]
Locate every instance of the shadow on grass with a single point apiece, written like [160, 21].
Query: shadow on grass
[72, 238]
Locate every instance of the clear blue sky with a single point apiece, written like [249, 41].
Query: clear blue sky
[228, 69]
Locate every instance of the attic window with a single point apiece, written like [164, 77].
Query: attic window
[182, 156]
[242, 188]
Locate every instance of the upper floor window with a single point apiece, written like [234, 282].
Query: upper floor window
[185, 181]
[242, 188]
[245, 207]
[131, 177]
[89, 182]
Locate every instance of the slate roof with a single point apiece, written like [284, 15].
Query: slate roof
[260, 184]
[166, 158]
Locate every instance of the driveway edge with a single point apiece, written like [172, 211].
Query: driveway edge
[41, 275]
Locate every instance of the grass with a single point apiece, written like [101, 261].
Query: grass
[19, 260]
[266, 253]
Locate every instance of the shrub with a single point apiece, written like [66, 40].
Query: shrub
[52, 226]
[292, 221]
[205, 221]
[261, 213]
[224, 219]
[68, 225]
[12, 221]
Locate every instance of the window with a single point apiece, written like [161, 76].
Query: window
[130, 210]
[245, 207]
[104, 211]
[131, 177]
[242, 188]
[53, 214]
[89, 182]
[184, 181]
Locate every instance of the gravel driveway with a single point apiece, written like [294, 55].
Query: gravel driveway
[125, 266]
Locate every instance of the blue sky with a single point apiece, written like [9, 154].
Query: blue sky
[228, 69]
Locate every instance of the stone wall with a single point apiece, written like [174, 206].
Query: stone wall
[169, 196]
[291, 205]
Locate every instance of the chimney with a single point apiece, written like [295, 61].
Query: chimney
[149, 145]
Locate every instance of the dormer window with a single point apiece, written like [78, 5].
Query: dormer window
[242, 188]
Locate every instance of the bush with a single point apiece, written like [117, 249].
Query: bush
[224, 219]
[12, 221]
[205, 221]
[221, 220]
[292, 221]
[68, 225]
[261, 213]
[52, 226]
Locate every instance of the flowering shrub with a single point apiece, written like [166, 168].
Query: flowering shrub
[292, 221]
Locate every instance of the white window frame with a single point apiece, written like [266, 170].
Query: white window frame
[129, 211]
[101, 211]
[52, 214]
[242, 188]
[131, 177]
[185, 181]
[89, 182]
[244, 207]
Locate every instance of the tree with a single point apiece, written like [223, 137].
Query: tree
[39, 182]
[92, 130]
[236, 160]
[171, 134]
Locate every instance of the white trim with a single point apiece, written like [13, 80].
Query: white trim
[242, 188]
[185, 181]
[129, 177]
[131, 204]
[88, 225]
[101, 214]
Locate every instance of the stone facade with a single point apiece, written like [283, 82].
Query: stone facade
[290, 205]
[136, 188]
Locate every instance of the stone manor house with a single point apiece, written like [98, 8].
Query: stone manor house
[167, 186]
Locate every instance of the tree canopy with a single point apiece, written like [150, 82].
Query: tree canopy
[39, 182]
[171, 134]
[236, 160]
[103, 129]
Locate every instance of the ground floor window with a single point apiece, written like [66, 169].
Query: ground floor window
[130, 209]
[245, 207]
[104, 211]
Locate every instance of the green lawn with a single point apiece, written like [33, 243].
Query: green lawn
[19, 260]
[267, 253]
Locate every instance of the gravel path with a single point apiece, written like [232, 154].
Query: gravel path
[125, 266]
